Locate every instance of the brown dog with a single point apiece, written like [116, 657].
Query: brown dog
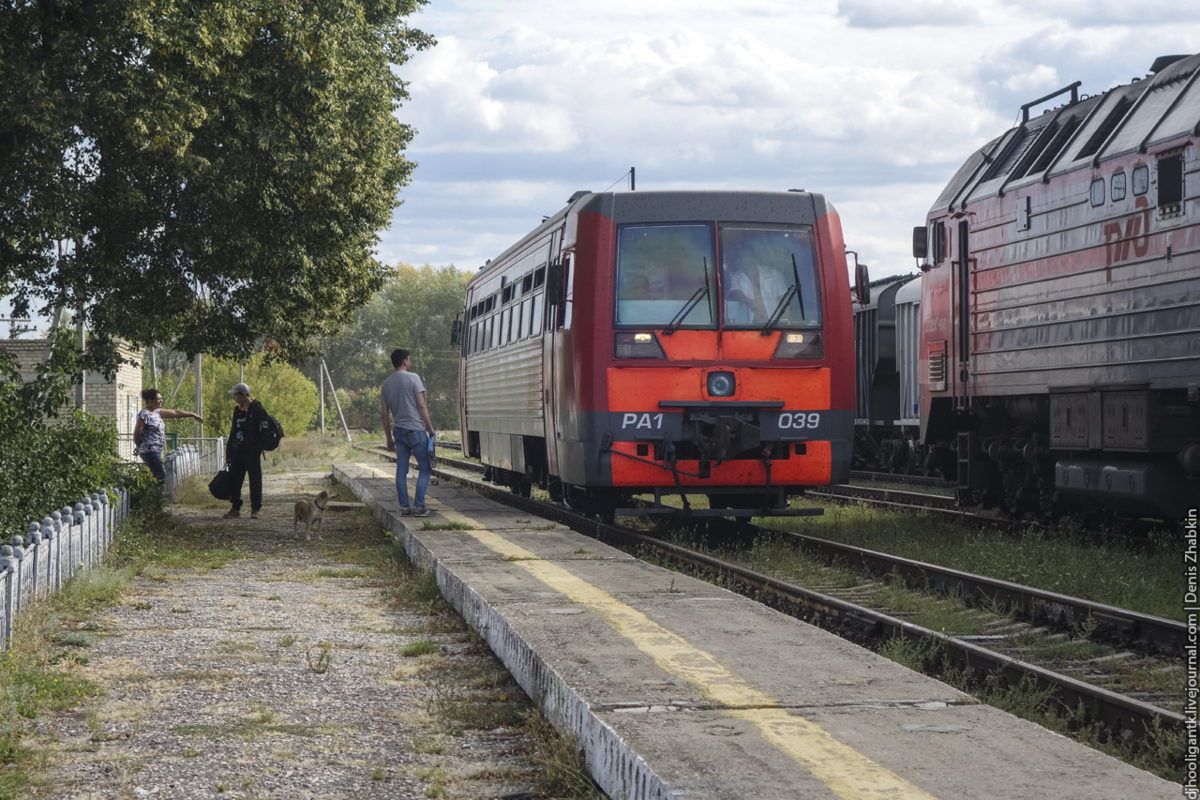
[310, 511]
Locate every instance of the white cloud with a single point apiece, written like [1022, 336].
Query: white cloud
[1095, 13]
[1039, 77]
[518, 106]
[893, 14]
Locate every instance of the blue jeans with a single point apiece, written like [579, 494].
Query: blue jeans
[411, 443]
[153, 460]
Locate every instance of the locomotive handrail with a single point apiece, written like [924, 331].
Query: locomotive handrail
[1073, 89]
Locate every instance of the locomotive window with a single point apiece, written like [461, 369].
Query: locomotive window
[761, 265]
[539, 277]
[507, 294]
[1170, 181]
[1118, 186]
[527, 284]
[661, 269]
[1098, 192]
[1141, 180]
[937, 237]
[506, 326]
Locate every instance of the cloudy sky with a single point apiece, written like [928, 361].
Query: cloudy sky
[874, 103]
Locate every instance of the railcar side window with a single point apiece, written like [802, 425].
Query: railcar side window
[762, 265]
[661, 269]
[535, 317]
[1118, 186]
[1141, 180]
[1097, 192]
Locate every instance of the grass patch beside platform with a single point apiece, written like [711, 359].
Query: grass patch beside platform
[1064, 559]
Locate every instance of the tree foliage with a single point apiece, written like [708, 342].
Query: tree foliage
[414, 310]
[283, 390]
[210, 175]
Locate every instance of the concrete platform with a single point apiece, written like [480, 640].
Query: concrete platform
[679, 689]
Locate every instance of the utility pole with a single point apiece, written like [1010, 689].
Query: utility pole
[199, 398]
[81, 389]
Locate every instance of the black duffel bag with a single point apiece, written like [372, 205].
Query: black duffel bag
[221, 486]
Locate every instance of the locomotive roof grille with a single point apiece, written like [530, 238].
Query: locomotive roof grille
[1021, 144]
[1107, 127]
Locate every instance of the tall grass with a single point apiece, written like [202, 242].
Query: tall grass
[1065, 559]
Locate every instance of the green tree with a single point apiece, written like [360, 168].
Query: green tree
[283, 390]
[414, 310]
[49, 458]
[209, 175]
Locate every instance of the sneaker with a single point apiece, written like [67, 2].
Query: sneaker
[406, 511]
[253, 515]
[233, 513]
[422, 511]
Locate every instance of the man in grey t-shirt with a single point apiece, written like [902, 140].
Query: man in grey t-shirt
[402, 396]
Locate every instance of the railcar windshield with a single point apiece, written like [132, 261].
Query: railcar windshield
[661, 271]
[769, 275]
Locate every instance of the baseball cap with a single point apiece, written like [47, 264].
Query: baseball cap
[241, 387]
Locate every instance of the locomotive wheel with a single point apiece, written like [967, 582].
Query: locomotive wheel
[590, 504]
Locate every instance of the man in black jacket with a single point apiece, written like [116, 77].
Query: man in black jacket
[243, 451]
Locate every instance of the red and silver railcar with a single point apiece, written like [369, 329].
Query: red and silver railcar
[1060, 305]
[671, 342]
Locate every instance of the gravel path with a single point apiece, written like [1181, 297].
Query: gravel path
[213, 683]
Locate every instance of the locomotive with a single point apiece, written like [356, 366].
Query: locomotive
[676, 342]
[1059, 346]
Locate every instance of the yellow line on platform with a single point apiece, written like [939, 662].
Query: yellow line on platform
[848, 773]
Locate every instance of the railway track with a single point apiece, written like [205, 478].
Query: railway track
[888, 497]
[894, 477]
[1116, 714]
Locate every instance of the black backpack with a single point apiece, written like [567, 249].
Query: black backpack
[268, 431]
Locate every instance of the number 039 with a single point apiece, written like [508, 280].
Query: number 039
[799, 420]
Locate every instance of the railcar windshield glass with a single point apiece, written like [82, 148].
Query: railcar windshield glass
[768, 272]
[661, 269]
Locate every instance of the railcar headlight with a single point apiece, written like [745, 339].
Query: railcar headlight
[638, 345]
[800, 345]
[721, 384]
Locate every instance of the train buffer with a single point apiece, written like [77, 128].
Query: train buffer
[678, 688]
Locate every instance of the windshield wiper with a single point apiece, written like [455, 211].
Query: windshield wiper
[779, 309]
[678, 319]
[683, 312]
[794, 289]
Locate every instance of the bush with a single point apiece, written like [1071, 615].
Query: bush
[48, 462]
[361, 409]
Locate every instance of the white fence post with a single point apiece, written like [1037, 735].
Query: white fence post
[8, 567]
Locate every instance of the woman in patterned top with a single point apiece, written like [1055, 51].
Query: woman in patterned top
[149, 434]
